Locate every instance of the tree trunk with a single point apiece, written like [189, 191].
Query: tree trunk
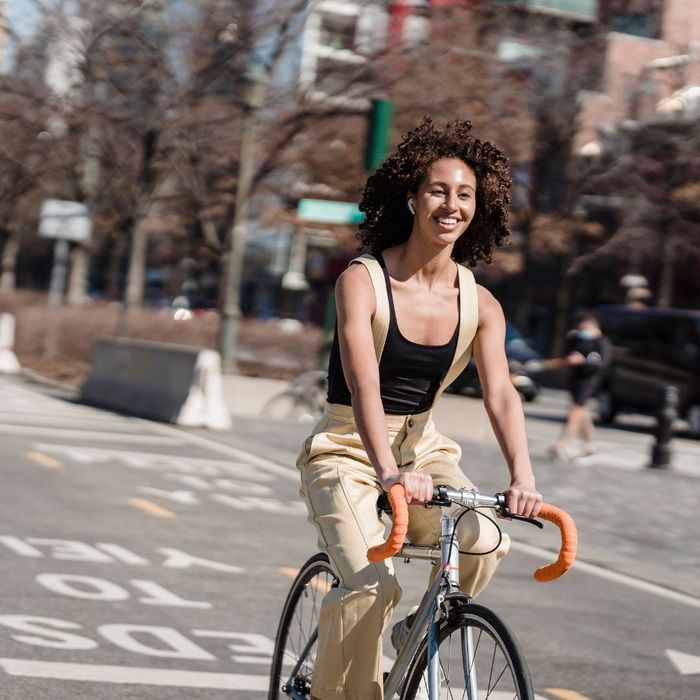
[137, 265]
[522, 313]
[561, 314]
[8, 265]
[210, 234]
[77, 281]
[667, 272]
[113, 289]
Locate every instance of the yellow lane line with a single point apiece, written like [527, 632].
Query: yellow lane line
[322, 586]
[565, 694]
[43, 460]
[151, 508]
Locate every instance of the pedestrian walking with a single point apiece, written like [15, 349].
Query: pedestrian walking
[585, 351]
[410, 315]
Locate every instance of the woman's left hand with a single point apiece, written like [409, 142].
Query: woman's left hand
[523, 498]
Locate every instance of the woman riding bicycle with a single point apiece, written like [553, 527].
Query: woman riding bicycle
[409, 317]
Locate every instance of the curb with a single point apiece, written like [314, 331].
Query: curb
[31, 376]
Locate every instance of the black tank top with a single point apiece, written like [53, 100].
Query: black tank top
[409, 373]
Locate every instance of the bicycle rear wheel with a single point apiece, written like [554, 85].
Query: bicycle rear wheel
[479, 660]
[295, 645]
[291, 406]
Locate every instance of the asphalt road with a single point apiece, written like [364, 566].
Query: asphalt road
[143, 561]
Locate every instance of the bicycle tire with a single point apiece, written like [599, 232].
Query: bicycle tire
[297, 624]
[290, 406]
[498, 660]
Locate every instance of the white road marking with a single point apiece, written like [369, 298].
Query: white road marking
[133, 674]
[686, 664]
[288, 472]
[609, 575]
[89, 435]
[36, 418]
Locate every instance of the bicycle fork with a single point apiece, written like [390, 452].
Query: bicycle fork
[449, 549]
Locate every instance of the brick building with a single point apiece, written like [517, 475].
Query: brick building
[647, 72]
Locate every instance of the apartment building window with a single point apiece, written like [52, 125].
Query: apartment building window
[580, 8]
[341, 79]
[645, 24]
[338, 32]
[371, 30]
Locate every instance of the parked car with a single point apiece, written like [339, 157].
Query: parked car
[519, 353]
[650, 350]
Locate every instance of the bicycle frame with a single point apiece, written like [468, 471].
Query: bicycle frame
[433, 616]
[428, 613]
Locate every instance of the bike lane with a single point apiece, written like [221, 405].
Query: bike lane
[146, 554]
[136, 560]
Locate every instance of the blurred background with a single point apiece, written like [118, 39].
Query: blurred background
[188, 171]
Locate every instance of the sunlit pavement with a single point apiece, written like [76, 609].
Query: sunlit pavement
[145, 561]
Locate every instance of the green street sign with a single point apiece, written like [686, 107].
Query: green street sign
[329, 212]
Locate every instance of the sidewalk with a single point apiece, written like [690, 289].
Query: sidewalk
[246, 396]
[465, 420]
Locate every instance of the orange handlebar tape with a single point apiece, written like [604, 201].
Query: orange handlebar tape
[399, 527]
[569, 543]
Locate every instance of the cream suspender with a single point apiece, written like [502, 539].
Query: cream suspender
[380, 322]
[468, 323]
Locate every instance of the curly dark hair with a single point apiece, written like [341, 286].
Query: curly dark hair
[388, 222]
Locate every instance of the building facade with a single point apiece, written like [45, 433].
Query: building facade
[651, 66]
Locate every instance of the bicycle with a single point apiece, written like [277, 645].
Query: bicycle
[302, 401]
[455, 647]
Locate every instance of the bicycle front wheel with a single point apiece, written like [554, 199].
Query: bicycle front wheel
[294, 657]
[479, 659]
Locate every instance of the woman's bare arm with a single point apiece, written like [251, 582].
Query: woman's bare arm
[503, 405]
[356, 305]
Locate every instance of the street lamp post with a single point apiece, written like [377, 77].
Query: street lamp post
[255, 89]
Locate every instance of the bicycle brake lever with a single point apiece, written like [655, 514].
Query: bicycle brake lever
[439, 498]
[533, 521]
[504, 512]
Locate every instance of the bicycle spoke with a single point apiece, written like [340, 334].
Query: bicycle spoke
[487, 663]
[295, 653]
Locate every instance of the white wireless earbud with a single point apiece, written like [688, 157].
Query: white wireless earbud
[409, 204]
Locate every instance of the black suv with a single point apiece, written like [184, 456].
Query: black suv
[650, 350]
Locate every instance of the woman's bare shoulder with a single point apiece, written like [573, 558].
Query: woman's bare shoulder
[489, 306]
[354, 287]
[354, 275]
[486, 298]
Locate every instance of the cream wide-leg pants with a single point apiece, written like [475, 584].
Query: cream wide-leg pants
[341, 489]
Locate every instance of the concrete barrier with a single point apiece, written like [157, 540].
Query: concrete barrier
[8, 360]
[160, 381]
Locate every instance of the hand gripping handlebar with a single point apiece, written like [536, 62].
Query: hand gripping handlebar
[399, 528]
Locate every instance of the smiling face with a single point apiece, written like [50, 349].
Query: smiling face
[445, 202]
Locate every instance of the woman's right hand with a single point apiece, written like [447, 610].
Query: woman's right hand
[418, 487]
